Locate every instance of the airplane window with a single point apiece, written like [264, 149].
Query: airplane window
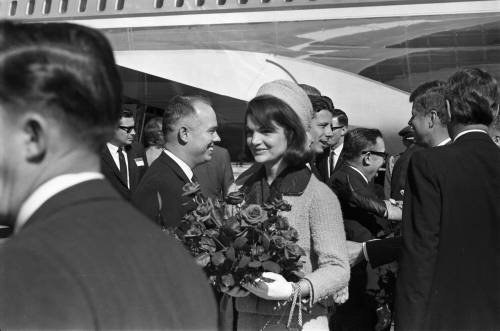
[63, 6]
[158, 3]
[221, 2]
[13, 8]
[31, 7]
[46, 6]
[120, 4]
[83, 6]
[243, 2]
[179, 3]
[200, 3]
[101, 6]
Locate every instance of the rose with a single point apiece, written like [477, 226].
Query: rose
[253, 214]
[282, 205]
[235, 198]
[190, 189]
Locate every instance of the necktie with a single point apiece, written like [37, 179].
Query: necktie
[194, 179]
[123, 165]
[331, 161]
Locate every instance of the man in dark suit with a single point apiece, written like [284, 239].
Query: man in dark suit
[331, 159]
[81, 257]
[449, 265]
[364, 153]
[216, 175]
[123, 161]
[190, 129]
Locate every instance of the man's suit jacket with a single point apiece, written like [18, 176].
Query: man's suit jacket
[321, 164]
[88, 260]
[361, 225]
[136, 157]
[216, 175]
[450, 261]
[383, 251]
[398, 177]
[165, 178]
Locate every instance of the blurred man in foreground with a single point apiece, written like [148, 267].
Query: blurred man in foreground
[82, 257]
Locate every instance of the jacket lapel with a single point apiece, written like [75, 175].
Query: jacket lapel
[169, 162]
[106, 156]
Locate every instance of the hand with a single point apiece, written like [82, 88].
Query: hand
[394, 210]
[341, 295]
[235, 291]
[275, 287]
[355, 252]
[372, 205]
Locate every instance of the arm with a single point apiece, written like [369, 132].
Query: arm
[420, 232]
[329, 245]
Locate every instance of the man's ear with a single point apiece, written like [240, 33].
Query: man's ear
[183, 135]
[433, 118]
[366, 159]
[35, 129]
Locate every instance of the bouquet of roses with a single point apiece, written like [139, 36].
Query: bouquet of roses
[235, 242]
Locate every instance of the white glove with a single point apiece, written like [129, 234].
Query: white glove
[275, 287]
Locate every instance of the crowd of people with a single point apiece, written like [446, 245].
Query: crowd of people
[87, 203]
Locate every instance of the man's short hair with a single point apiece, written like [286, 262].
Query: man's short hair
[321, 102]
[126, 113]
[473, 95]
[179, 107]
[310, 90]
[64, 71]
[433, 99]
[359, 140]
[424, 87]
[341, 116]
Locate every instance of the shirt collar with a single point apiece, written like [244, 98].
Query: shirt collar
[358, 171]
[47, 190]
[338, 149]
[468, 131]
[444, 142]
[112, 148]
[185, 168]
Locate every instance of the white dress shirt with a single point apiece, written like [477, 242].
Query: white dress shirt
[113, 150]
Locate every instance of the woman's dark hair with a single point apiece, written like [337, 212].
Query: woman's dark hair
[264, 110]
[153, 134]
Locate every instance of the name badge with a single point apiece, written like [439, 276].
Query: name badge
[139, 162]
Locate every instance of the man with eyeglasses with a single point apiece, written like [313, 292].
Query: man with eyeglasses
[123, 161]
[365, 217]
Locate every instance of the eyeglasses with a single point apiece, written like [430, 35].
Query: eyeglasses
[127, 129]
[381, 154]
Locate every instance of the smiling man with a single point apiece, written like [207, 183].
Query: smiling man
[123, 161]
[190, 129]
[321, 132]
